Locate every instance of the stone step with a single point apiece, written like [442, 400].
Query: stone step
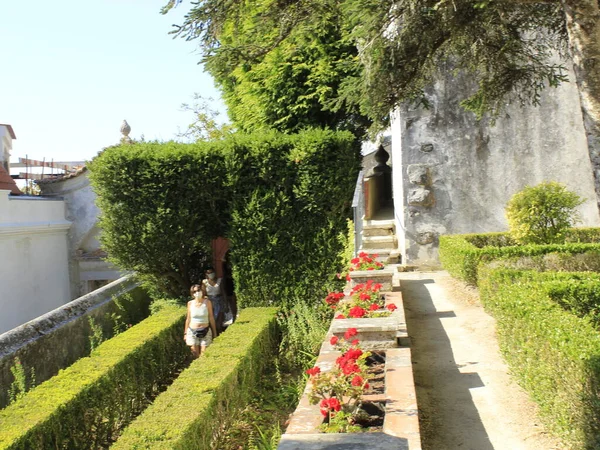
[377, 231]
[385, 255]
[387, 223]
[378, 242]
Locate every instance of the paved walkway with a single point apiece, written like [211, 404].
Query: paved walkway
[466, 398]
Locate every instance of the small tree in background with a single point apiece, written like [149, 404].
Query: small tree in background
[541, 214]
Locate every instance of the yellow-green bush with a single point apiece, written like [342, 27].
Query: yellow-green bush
[460, 254]
[548, 333]
[206, 395]
[86, 404]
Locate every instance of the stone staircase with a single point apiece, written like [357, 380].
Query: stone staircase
[379, 236]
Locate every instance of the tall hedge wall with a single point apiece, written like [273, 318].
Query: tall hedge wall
[282, 200]
[548, 332]
[85, 405]
[207, 395]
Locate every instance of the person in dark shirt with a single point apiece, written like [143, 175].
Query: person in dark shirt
[229, 288]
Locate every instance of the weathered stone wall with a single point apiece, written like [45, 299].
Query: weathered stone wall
[57, 339]
[453, 174]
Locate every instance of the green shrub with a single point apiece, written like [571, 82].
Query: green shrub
[282, 200]
[541, 214]
[461, 254]
[548, 333]
[86, 404]
[207, 395]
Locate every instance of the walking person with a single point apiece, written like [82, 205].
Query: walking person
[200, 326]
[216, 294]
[229, 291]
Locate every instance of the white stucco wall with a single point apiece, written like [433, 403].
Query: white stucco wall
[34, 276]
[83, 237]
[475, 167]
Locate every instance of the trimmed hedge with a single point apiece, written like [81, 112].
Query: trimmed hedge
[461, 254]
[206, 395]
[282, 200]
[87, 403]
[551, 342]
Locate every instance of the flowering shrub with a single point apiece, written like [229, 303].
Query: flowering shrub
[365, 301]
[338, 392]
[365, 261]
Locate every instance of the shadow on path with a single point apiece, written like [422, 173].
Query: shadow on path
[448, 417]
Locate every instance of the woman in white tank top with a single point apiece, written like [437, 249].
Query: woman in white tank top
[200, 324]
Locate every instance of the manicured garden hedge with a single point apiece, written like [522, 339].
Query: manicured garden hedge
[87, 403]
[461, 254]
[282, 200]
[206, 395]
[548, 331]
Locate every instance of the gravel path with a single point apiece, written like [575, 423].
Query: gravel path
[467, 399]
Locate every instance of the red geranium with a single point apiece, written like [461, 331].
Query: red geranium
[350, 332]
[340, 316]
[356, 312]
[357, 380]
[314, 371]
[392, 307]
[374, 307]
[334, 340]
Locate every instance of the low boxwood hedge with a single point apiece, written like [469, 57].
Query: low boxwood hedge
[84, 405]
[548, 334]
[205, 397]
[461, 254]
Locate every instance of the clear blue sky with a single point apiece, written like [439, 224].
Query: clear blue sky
[72, 70]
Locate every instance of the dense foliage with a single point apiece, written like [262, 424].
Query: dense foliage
[461, 254]
[282, 200]
[277, 60]
[542, 214]
[211, 391]
[86, 405]
[548, 330]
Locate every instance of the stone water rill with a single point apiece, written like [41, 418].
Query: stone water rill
[401, 422]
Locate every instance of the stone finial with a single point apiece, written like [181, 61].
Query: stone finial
[381, 156]
[125, 130]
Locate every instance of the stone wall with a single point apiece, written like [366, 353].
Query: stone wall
[34, 276]
[57, 339]
[453, 174]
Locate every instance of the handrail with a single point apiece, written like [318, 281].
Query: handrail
[358, 209]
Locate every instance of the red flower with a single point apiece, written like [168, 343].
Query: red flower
[374, 307]
[362, 254]
[353, 354]
[348, 277]
[334, 340]
[340, 316]
[392, 307]
[350, 332]
[377, 286]
[370, 268]
[314, 371]
[328, 404]
[366, 386]
[354, 342]
[334, 404]
[354, 261]
[350, 367]
[357, 380]
[356, 312]
[364, 296]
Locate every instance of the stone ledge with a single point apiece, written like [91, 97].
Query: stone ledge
[350, 441]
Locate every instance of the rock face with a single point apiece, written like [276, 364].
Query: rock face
[454, 174]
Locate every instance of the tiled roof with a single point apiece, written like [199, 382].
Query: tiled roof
[66, 176]
[10, 130]
[7, 183]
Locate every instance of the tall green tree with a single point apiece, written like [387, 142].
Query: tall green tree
[509, 47]
[278, 66]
